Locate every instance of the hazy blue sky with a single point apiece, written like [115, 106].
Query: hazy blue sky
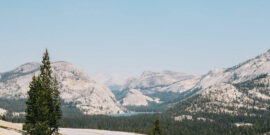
[130, 36]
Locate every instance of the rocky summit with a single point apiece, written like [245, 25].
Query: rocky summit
[75, 86]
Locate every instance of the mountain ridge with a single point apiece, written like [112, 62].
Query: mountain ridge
[75, 87]
[237, 90]
[152, 90]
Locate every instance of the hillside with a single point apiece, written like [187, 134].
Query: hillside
[242, 90]
[76, 88]
[156, 91]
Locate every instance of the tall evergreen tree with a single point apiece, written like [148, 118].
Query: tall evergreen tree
[43, 112]
[57, 112]
[31, 110]
[156, 128]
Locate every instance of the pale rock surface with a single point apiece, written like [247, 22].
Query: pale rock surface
[136, 98]
[16, 129]
[218, 91]
[152, 82]
[75, 87]
[2, 111]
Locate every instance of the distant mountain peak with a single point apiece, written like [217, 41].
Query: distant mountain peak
[147, 73]
[113, 81]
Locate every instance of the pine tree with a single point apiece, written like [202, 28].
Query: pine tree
[47, 86]
[57, 112]
[4, 118]
[43, 112]
[156, 129]
[31, 103]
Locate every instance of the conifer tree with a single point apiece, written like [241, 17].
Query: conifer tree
[156, 128]
[57, 112]
[31, 110]
[4, 117]
[43, 112]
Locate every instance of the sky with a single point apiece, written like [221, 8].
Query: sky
[130, 36]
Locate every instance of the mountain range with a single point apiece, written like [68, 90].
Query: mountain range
[155, 91]
[76, 88]
[160, 90]
[233, 90]
[241, 90]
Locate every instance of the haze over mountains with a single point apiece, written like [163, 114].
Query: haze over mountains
[112, 81]
[155, 91]
[153, 88]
